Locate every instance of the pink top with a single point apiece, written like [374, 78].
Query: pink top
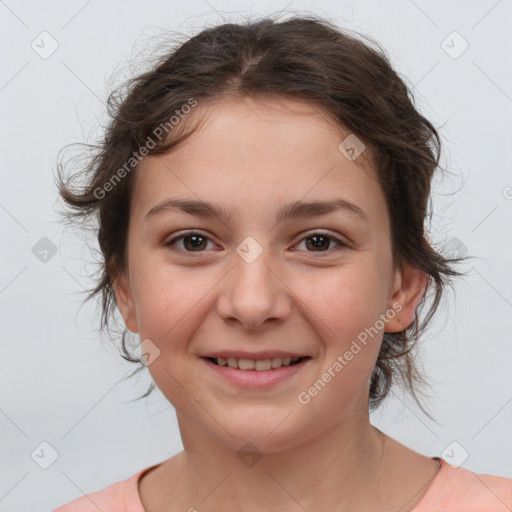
[451, 490]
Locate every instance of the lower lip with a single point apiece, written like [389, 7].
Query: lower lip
[255, 378]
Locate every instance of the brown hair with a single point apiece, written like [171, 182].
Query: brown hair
[304, 57]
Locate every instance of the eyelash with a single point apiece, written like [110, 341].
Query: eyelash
[188, 234]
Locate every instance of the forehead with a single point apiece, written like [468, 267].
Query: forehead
[255, 154]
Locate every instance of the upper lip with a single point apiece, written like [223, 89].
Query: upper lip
[242, 354]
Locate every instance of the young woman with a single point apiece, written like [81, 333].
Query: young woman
[261, 197]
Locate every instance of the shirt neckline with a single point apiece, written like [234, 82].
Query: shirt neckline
[132, 495]
[432, 489]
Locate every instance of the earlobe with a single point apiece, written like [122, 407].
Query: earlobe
[125, 303]
[410, 286]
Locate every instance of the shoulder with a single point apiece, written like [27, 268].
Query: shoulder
[457, 489]
[118, 497]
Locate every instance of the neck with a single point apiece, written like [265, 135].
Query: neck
[339, 468]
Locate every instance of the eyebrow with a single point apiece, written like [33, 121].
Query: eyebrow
[288, 211]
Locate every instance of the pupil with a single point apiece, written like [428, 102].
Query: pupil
[195, 242]
[316, 238]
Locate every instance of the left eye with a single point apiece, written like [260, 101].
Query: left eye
[320, 240]
[197, 240]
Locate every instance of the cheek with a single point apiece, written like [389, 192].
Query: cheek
[346, 306]
[169, 302]
[171, 306]
[346, 300]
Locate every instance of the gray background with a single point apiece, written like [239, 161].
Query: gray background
[62, 385]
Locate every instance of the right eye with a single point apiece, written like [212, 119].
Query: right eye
[193, 240]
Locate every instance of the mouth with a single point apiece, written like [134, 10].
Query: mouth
[262, 374]
[258, 365]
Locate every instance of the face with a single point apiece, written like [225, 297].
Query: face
[308, 284]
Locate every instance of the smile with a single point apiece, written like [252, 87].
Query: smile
[256, 364]
[250, 374]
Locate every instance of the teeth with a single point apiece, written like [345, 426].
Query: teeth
[246, 364]
[258, 365]
[264, 364]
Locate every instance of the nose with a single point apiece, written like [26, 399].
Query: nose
[255, 293]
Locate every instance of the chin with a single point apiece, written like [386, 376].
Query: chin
[254, 433]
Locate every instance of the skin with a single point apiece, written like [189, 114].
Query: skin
[254, 155]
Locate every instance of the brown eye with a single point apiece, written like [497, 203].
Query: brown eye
[320, 242]
[192, 242]
[197, 242]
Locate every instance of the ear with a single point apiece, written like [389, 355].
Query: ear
[125, 302]
[410, 285]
